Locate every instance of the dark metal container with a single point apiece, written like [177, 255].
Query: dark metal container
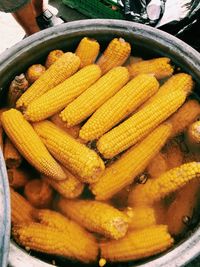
[146, 42]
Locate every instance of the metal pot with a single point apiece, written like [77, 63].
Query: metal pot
[146, 41]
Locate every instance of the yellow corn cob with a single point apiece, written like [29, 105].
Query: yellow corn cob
[95, 216]
[29, 144]
[116, 53]
[168, 182]
[193, 133]
[17, 177]
[140, 217]
[87, 51]
[52, 57]
[178, 81]
[11, 156]
[130, 164]
[38, 193]
[159, 67]
[73, 131]
[21, 209]
[34, 72]
[62, 69]
[50, 240]
[75, 156]
[157, 166]
[57, 98]
[186, 115]
[137, 244]
[182, 208]
[69, 188]
[140, 124]
[96, 95]
[173, 154]
[132, 60]
[123, 103]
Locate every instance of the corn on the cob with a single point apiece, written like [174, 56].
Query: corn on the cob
[11, 156]
[80, 246]
[21, 209]
[34, 72]
[180, 81]
[193, 133]
[17, 87]
[95, 216]
[123, 103]
[17, 177]
[75, 156]
[186, 115]
[137, 244]
[62, 69]
[168, 182]
[182, 208]
[96, 95]
[159, 67]
[57, 98]
[87, 51]
[140, 217]
[116, 53]
[157, 166]
[132, 60]
[73, 131]
[173, 154]
[52, 57]
[130, 164]
[140, 124]
[69, 188]
[38, 193]
[29, 144]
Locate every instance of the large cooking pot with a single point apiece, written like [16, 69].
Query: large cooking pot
[146, 42]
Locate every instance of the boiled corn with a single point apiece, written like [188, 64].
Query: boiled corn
[118, 107]
[34, 72]
[29, 144]
[157, 166]
[11, 156]
[96, 95]
[18, 177]
[193, 133]
[52, 57]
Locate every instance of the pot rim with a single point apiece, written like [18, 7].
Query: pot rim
[175, 48]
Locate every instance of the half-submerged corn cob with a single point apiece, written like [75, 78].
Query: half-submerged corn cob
[137, 244]
[193, 133]
[118, 107]
[170, 181]
[29, 144]
[157, 166]
[173, 154]
[11, 156]
[52, 57]
[73, 131]
[180, 213]
[18, 177]
[140, 217]
[71, 187]
[39, 193]
[186, 115]
[34, 72]
[87, 51]
[17, 87]
[73, 155]
[159, 67]
[21, 209]
[116, 53]
[62, 69]
[62, 237]
[140, 124]
[96, 216]
[180, 81]
[57, 98]
[130, 164]
[96, 95]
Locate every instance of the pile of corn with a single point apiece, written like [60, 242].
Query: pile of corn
[114, 125]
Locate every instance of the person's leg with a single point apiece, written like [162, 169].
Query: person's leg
[25, 16]
[40, 6]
